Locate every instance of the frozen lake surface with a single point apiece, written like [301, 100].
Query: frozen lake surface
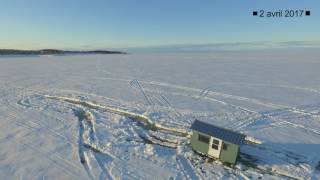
[272, 96]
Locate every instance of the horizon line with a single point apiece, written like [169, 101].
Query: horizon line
[200, 47]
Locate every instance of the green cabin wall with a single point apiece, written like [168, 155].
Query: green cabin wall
[230, 155]
[198, 145]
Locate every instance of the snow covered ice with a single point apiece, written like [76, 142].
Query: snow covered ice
[273, 96]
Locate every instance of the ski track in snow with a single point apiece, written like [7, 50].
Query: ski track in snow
[208, 92]
[107, 173]
[205, 95]
[183, 166]
[92, 154]
[56, 159]
[186, 168]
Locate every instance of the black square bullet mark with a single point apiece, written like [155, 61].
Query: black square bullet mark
[255, 13]
[307, 13]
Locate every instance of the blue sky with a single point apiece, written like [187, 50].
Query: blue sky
[96, 24]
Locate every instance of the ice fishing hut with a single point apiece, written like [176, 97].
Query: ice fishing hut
[216, 142]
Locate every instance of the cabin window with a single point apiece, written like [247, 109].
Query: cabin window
[225, 146]
[203, 138]
[215, 144]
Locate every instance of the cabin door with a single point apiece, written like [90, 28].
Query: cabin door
[215, 147]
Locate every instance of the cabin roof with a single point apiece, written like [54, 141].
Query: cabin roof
[218, 132]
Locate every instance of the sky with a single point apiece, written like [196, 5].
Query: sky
[108, 24]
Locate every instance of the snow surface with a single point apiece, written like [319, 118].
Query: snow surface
[128, 116]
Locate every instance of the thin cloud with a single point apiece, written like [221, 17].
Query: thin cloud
[209, 47]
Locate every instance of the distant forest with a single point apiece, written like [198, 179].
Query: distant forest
[53, 52]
